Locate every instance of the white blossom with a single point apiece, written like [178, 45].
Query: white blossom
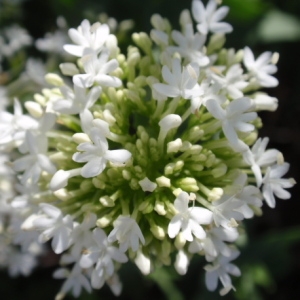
[233, 82]
[97, 70]
[75, 281]
[225, 211]
[102, 254]
[258, 157]
[87, 38]
[17, 38]
[77, 100]
[249, 195]
[127, 232]
[36, 161]
[261, 68]
[180, 83]
[190, 45]
[52, 42]
[188, 219]
[233, 118]
[96, 154]
[13, 126]
[220, 269]
[273, 184]
[20, 263]
[81, 235]
[214, 243]
[55, 225]
[209, 17]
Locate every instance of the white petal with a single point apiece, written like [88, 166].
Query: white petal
[51, 210]
[94, 167]
[174, 226]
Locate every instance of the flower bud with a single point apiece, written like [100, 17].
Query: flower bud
[61, 177]
[174, 146]
[188, 184]
[180, 241]
[147, 185]
[34, 109]
[69, 69]
[143, 263]
[160, 208]
[54, 79]
[107, 201]
[163, 181]
[158, 232]
[215, 194]
[104, 221]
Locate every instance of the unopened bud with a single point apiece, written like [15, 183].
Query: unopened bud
[54, 79]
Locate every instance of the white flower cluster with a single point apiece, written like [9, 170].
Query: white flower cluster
[140, 156]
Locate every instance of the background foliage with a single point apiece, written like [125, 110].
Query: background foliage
[270, 260]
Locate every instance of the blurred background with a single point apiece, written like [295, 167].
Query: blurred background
[270, 257]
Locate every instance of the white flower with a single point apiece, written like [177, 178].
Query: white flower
[233, 81]
[103, 254]
[96, 154]
[75, 102]
[221, 269]
[249, 195]
[225, 211]
[214, 243]
[75, 281]
[97, 70]
[17, 38]
[180, 83]
[190, 45]
[209, 18]
[127, 232]
[233, 118]
[273, 184]
[188, 219]
[259, 157]
[14, 126]
[54, 225]
[52, 42]
[261, 68]
[36, 161]
[81, 235]
[20, 263]
[88, 38]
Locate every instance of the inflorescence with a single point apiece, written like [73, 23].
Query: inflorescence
[142, 155]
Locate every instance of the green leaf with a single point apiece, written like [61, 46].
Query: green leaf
[278, 26]
[246, 10]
